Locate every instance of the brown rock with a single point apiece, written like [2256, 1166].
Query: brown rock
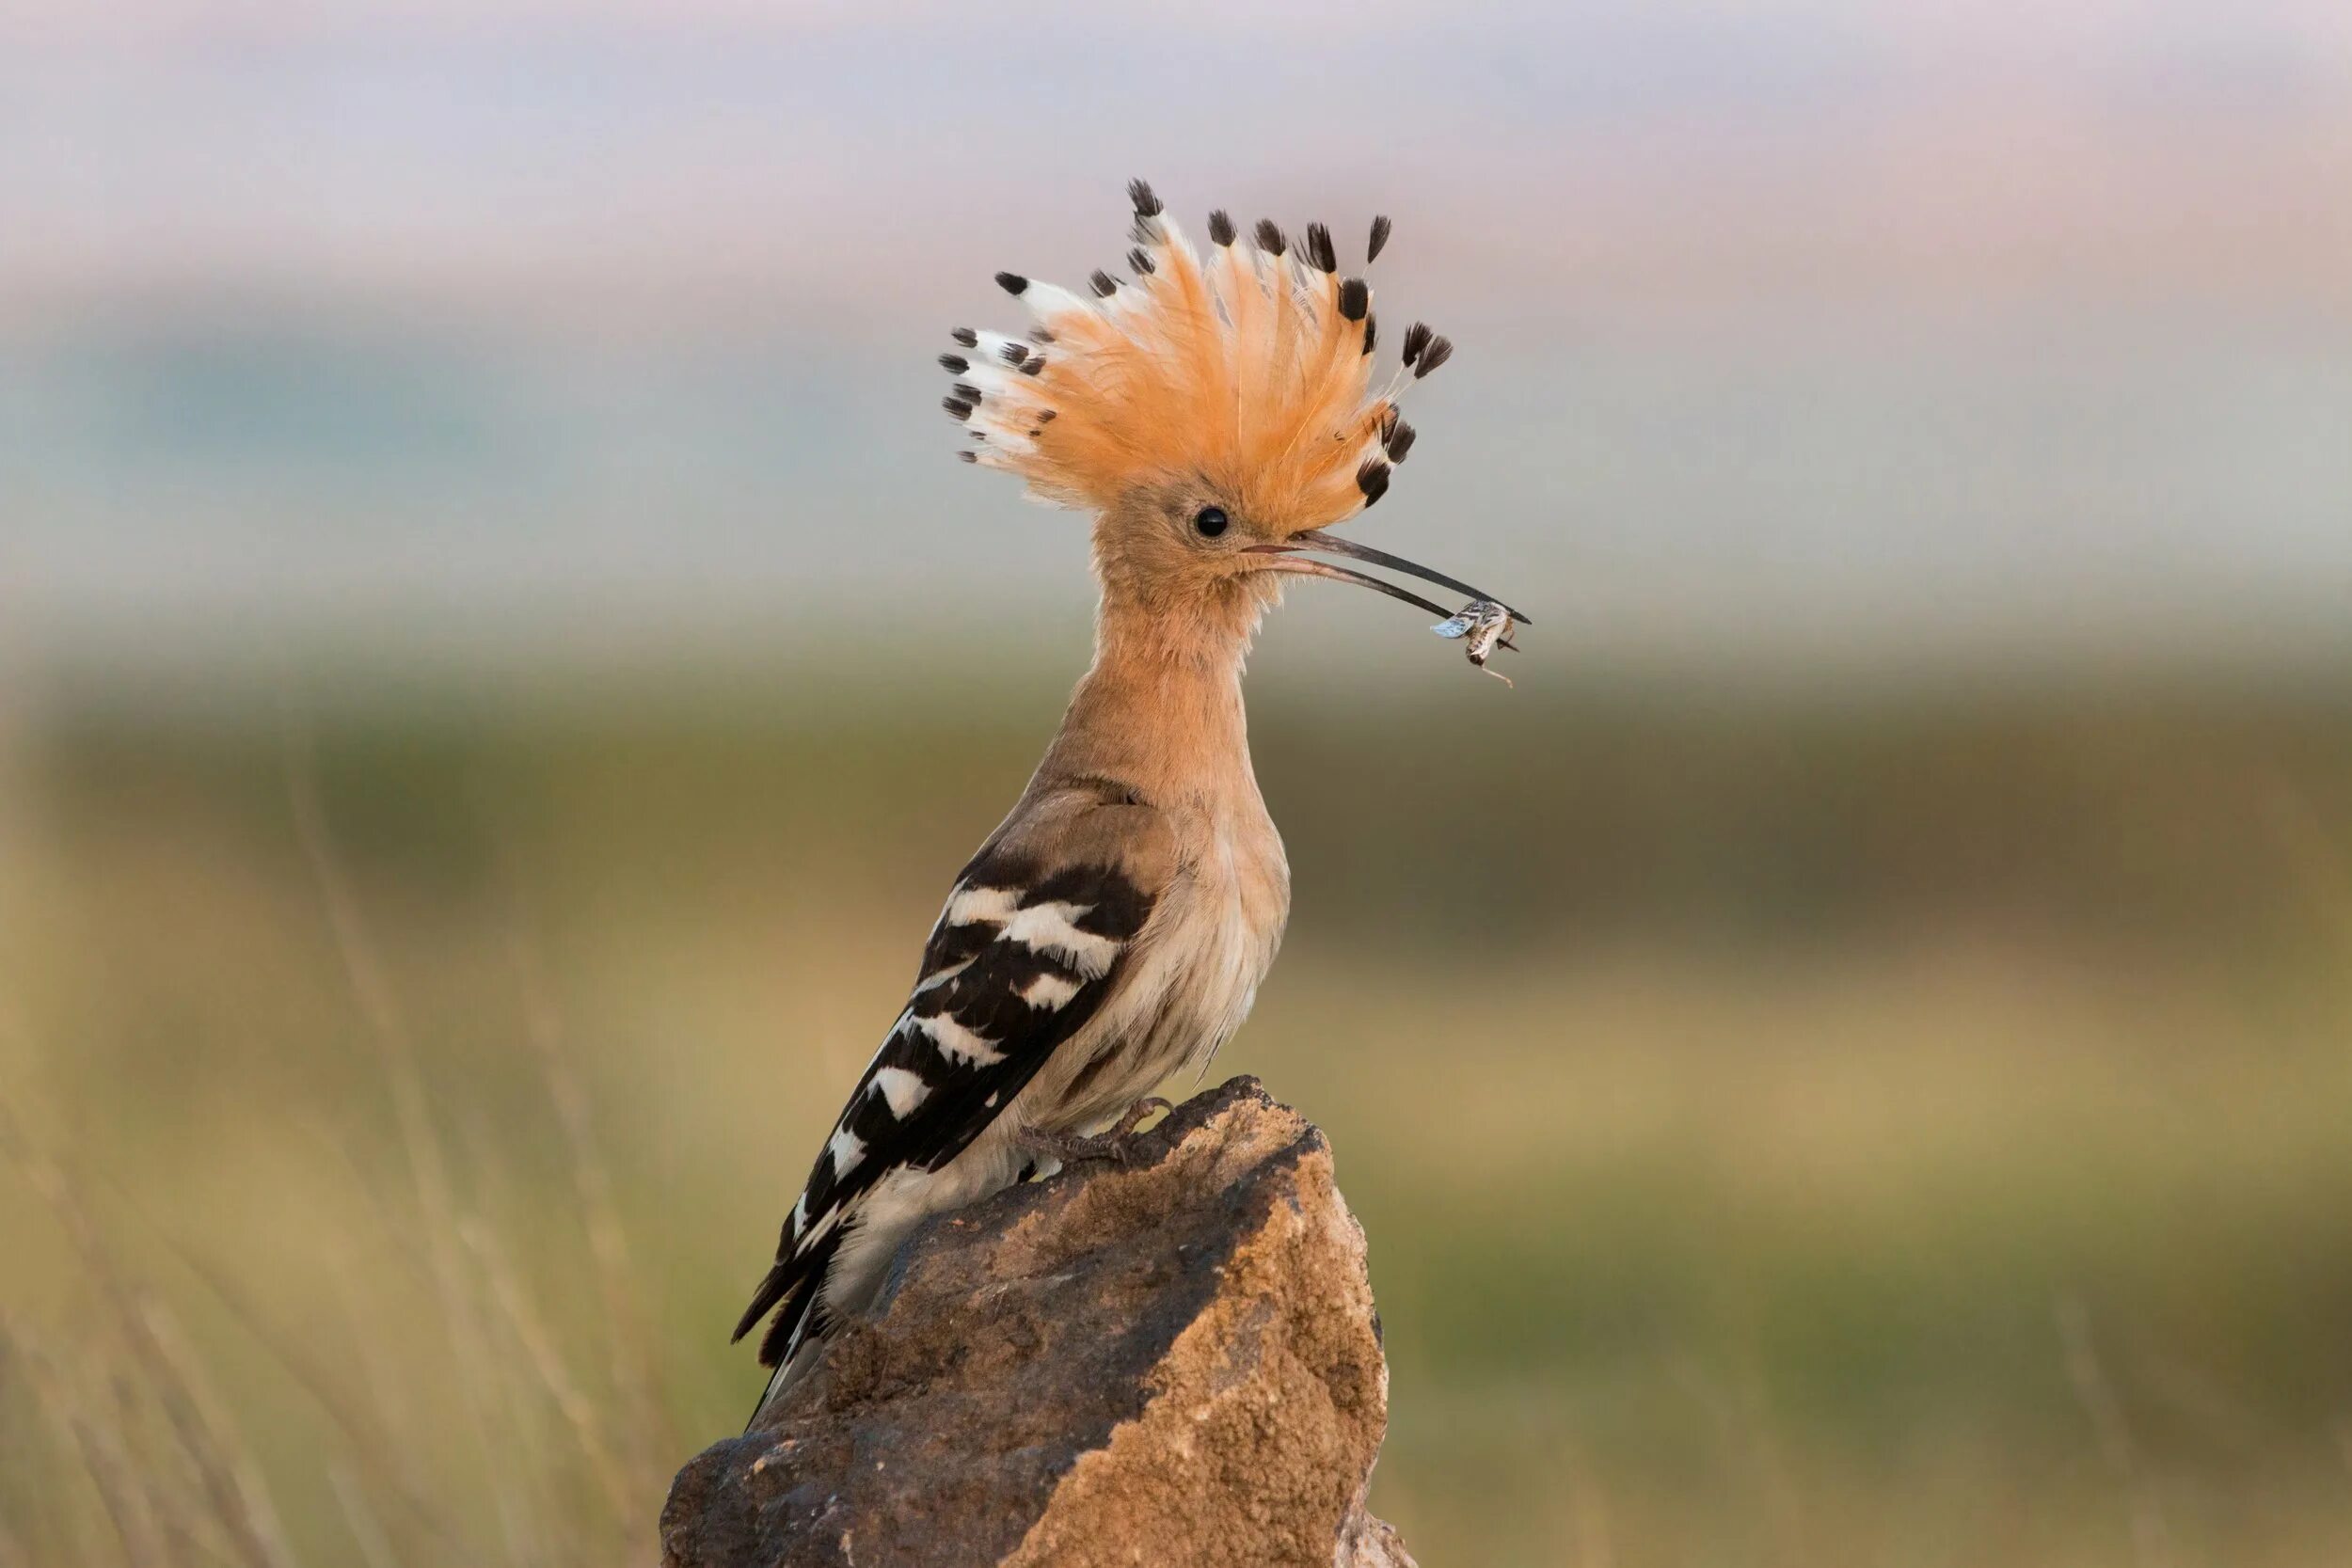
[1173, 1364]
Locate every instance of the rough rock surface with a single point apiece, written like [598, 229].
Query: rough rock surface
[1173, 1363]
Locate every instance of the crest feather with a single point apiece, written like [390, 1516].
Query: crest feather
[1250, 369]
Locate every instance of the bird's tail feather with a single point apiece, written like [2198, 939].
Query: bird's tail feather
[789, 1367]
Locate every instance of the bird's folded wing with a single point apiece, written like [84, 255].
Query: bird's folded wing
[1035, 936]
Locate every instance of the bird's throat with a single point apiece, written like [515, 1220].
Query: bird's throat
[1160, 710]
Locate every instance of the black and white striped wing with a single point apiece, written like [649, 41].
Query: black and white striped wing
[1020, 960]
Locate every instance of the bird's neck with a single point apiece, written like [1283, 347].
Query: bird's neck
[1160, 710]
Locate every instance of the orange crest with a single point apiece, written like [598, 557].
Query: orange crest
[1249, 369]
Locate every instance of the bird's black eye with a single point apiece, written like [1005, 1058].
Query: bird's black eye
[1210, 520]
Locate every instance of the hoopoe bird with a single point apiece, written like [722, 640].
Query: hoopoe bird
[1215, 414]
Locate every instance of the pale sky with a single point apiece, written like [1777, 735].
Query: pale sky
[1907, 320]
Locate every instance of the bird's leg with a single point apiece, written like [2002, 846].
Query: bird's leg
[1075, 1149]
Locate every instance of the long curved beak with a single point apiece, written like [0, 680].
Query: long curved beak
[1292, 561]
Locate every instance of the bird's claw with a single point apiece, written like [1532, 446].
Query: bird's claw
[1117, 1146]
[1135, 1115]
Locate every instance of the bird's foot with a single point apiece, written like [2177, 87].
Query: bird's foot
[1077, 1149]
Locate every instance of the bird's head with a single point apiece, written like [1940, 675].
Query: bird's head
[1216, 412]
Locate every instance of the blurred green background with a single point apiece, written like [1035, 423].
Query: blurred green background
[1742, 1096]
[1851, 1061]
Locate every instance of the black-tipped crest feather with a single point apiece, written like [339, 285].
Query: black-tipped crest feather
[1320, 249]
